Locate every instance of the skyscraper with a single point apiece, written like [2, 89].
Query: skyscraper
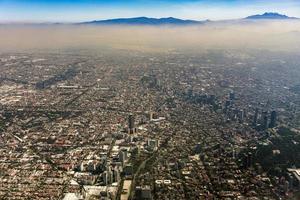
[231, 96]
[264, 120]
[255, 117]
[151, 115]
[241, 115]
[131, 124]
[273, 119]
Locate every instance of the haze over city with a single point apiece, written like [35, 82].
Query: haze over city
[267, 35]
[149, 100]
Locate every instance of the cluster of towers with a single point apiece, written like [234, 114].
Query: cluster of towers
[264, 120]
[131, 126]
[111, 175]
[231, 111]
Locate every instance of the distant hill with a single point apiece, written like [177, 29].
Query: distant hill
[176, 21]
[143, 21]
[269, 15]
[147, 21]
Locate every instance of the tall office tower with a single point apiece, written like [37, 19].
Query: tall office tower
[247, 160]
[233, 153]
[227, 104]
[116, 175]
[273, 119]
[241, 115]
[146, 192]
[131, 124]
[105, 178]
[264, 119]
[198, 148]
[111, 176]
[138, 192]
[231, 96]
[255, 117]
[123, 156]
[151, 115]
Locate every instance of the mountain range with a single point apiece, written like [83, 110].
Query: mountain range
[147, 21]
[176, 21]
[270, 15]
[144, 21]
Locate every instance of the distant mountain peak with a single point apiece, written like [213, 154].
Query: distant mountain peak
[143, 21]
[270, 15]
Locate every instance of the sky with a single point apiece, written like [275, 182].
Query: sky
[86, 10]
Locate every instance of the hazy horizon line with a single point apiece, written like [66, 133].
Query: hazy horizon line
[151, 17]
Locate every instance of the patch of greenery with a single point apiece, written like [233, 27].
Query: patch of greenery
[283, 131]
[281, 153]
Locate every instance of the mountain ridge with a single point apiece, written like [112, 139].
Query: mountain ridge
[177, 21]
[150, 21]
[143, 21]
[269, 15]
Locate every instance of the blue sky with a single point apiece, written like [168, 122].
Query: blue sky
[84, 10]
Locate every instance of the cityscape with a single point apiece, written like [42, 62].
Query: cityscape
[126, 126]
[149, 108]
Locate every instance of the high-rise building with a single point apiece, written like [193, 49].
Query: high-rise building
[241, 115]
[273, 119]
[128, 170]
[198, 148]
[131, 124]
[255, 118]
[264, 120]
[116, 175]
[233, 153]
[138, 192]
[247, 160]
[143, 192]
[105, 178]
[123, 156]
[146, 192]
[151, 115]
[231, 96]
